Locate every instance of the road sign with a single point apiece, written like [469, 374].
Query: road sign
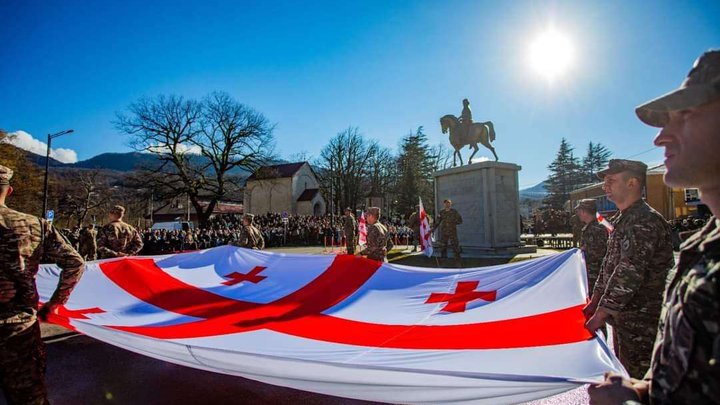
[284, 214]
[50, 215]
[285, 221]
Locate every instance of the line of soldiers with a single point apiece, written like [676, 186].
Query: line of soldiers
[666, 317]
[25, 242]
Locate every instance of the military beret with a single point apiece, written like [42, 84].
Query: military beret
[623, 165]
[5, 174]
[587, 204]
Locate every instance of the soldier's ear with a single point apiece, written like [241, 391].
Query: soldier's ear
[10, 191]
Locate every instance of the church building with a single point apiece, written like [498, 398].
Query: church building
[290, 187]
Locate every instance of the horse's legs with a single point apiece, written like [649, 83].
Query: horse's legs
[454, 157]
[493, 151]
[475, 150]
[459, 156]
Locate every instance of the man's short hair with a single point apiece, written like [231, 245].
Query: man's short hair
[375, 211]
[447, 200]
[118, 210]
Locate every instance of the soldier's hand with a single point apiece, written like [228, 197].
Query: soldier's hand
[614, 390]
[597, 320]
[48, 308]
[7, 291]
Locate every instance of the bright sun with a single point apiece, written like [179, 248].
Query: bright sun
[551, 54]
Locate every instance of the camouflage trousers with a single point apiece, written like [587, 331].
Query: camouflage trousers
[452, 238]
[633, 350]
[22, 368]
[350, 244]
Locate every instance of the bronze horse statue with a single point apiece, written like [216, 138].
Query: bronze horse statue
[482, 132]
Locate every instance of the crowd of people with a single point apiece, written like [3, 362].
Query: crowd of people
[299, 230]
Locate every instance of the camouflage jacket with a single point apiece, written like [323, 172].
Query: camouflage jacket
[686, 360]
[448, 220]
[639, 257]
[25, 241]
[377, 235]
[593, 243]
[118, 237]
[88, 242]
[250, 238]
[350, 226]
[414, 222]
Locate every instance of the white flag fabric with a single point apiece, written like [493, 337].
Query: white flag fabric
[425, 234]
[604, 222]
[362, 230]
[348, 326]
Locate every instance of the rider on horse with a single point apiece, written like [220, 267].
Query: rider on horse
[466, 117]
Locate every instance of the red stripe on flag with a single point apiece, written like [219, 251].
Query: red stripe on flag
[300, 313]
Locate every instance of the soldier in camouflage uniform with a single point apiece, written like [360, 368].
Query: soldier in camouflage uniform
[88, 242]
[593, 239]
[628, 293]
[250, 236]
[377, 236]
[350, 228]
[118, 239]
[25, 240]
[448, 220]
[686, 359]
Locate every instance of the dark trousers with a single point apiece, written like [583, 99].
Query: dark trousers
[22, 368]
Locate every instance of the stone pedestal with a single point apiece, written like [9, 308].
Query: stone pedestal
[487, 197]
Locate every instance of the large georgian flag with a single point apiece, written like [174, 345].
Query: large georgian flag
[348, 326]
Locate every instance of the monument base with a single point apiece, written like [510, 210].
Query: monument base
[487, 197]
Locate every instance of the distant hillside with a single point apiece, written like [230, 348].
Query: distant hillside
[536, 192]
[122, 162]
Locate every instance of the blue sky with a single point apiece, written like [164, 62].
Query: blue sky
[315, 68]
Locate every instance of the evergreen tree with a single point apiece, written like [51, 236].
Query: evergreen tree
[565, 176]
[596, 159]
[415, 167]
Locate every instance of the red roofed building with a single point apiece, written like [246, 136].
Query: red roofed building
[290, 187]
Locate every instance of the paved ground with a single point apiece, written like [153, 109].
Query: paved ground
[82, 370]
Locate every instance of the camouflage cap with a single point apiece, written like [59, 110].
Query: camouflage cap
[701, 86]
[447, 200]
[5, 174]
[624, 165]
[249, 217]
[118, 209]
[375, 211]
[587, 204]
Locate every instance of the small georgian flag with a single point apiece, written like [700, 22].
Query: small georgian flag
[604, 222]
[362, 229]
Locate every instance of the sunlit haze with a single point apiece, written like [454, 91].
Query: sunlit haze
[551, 54]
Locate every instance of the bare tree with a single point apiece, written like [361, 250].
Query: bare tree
[199, 145]
[82, 195]
[345, 163]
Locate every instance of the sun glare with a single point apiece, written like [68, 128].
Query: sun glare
[551, 54]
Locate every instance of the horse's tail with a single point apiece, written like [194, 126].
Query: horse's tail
[491, 128]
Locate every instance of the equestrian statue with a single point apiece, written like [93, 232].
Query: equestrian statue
[464, 131]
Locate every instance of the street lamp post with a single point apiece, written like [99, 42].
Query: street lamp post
[50, 137]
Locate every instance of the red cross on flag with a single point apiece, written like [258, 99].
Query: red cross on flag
[425, 233]
[348, 326]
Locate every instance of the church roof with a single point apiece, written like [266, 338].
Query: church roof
[277, 171]
[308, 194]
